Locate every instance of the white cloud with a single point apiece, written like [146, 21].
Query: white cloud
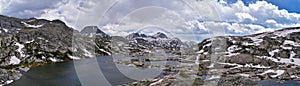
[216, 17]
[66, 12]
[236, 18]
[245, 17]
[27, 8]
[259, 16]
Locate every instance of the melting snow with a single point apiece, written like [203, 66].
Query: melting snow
[211, 65]
[105, 51]
[292, 54]
[247, 65]
[87, 53]
[287, 48]
[283, 60]
[273, 52]
[73, 57]
[9, 81]
[20, 46]
[29, 41]
[233, 41]
[285, 33]
[14, 60]
[293, 76]
[32, 26]
[214, 77]
[245, 75]
[291, 43]
[233, 48]
[53, 59]
[232, 54]
[5, 30]
[259, 66]
[157, 82]
[278, 72]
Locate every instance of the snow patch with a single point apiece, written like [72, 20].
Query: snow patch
[5, 30]
[105, 51]
[54, 59]
[244, 75]
[14, 60]
[273, 52]
[9, 81]
[233, 48]
[285, 33]
[291, 43]
[32, 26]
[232, 54]
[73, 57]
[20, 46]
[211, 65]
[29, 41]
[292, 54]
[293, 76]
[214, 77]
[157, 82]
[278, 72]
[286, 48]
[87, 53]
[247, 65]
[283, 60]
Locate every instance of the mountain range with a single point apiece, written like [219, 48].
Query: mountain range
[32, 42]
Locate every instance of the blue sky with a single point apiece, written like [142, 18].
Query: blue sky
[186, 19]
[289, 5]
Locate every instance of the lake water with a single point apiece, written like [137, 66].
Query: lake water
[67, 73]
[273, 82]
[64, 74]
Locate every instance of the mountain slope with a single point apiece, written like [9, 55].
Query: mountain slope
[29, 42]
[265, 55]
[159, 40]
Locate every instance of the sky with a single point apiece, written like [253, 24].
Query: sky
[185, 19]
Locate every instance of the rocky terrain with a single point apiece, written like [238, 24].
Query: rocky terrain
[31, 42]
[241, 60]
[137, 44]
[223, 60]
[269, 55]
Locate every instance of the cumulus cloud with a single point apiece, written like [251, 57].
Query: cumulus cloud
[188, 19]
[260, 16]
[66, 12]
[27, 8]
[219, 18]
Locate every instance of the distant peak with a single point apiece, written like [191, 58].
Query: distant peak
[160, 35]
[93, 30]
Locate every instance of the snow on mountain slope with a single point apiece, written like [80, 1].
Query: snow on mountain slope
[279, 51]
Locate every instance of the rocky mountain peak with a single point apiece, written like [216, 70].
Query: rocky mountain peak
[160, 35]
[140, 35]
[93, 30]
[132, 36]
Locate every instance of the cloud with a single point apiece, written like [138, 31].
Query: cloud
[66, 12]
[221, 18]
[187, 19]
[259, 16]
[245, 17]
[27, 8]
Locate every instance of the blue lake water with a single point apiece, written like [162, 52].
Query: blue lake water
[64, 74]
